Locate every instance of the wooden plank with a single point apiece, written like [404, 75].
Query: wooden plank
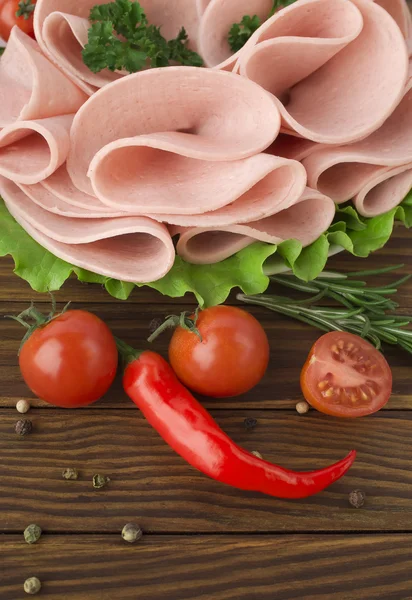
[278, 390]
[296, 567]
[153, 485]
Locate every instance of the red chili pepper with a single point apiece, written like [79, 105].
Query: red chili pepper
[191, 431]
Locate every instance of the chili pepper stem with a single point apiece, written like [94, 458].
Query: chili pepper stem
[127, 353]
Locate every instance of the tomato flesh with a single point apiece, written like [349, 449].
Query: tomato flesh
[345, 376]
[8, 19]
[231, 358]
[71, 361]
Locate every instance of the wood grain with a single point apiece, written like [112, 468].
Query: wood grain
[278, 390]
[153, 485]
[291, 567]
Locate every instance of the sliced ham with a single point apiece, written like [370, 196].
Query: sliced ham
[134, 249]
[305, 221]
[337, 67]
[52, 203]
[61, 28]
[217, 19]
[31, 87]
[30, 151]
[62, 188]
[400, 11]
[354, 170]
[210, 115]
[281, 188]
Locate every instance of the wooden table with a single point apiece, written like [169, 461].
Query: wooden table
[202, 540]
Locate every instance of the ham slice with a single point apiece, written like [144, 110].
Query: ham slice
[217, 18]
[337, 68]
[209, 115]
[305, 221]
[379, 160]
[134, 249]
[400, 11]
[281, 188]
[31, 87]
[30, 151]
[61, 28]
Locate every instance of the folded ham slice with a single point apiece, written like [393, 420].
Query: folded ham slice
[134, 249]
[61, 28]
[280, 188]
[400, 11]
[209, 115]
[30, 151]
[31, 87]
[337, 67]
[353, 171]
[305, 221]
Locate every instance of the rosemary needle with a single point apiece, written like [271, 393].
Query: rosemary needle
[365, 309]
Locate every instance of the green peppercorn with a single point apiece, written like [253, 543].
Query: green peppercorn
[32, 534]
[32, 586]
[131, 533]
[99, 481]
[70, 474]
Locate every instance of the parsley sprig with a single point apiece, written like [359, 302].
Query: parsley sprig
[240, 32]
[121, 38]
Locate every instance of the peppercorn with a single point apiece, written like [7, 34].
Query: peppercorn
[131, 533]
[302, 407]
[23, 427]
[250, 423]
[357, 498]
[70, 474]
[32, 534]
[256, 453]
[23, 406]
[99, 481]
[32, 586]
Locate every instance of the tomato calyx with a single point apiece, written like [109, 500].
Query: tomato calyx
[26, 9]
[32, 319]
[184, 320]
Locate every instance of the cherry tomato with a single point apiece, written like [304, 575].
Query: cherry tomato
[71, 361]
[8, 17]
[231, 358]
[345, 376]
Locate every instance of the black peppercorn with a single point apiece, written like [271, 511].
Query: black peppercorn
[250, 423]
[23, 427]
[357, 498]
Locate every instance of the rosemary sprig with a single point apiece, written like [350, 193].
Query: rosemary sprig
[366, 310]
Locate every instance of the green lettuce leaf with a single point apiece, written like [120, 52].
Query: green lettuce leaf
[211, 284]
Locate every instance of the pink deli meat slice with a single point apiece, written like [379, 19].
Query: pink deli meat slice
[400, 11]
[61, 28]
[384, 191]
[30, 151]
[305, 221]
[346, 171]
[62, 188]
[337, 67]
[48, 201]
[209, 115]
[281, 188]
[31, 87]
[134, 249]
[217, 19]
[171, 183]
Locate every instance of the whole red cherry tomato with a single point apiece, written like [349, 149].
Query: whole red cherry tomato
[70, 361]
[16, 12]
[229, 359]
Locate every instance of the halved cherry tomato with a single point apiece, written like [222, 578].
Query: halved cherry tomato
[70, 361]
[345, 376]
[8, 17]
[231, 358]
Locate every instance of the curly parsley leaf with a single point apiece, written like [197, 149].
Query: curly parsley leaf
[121, 38]
[241, 32]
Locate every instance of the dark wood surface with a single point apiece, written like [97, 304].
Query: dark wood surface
[202, 540]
